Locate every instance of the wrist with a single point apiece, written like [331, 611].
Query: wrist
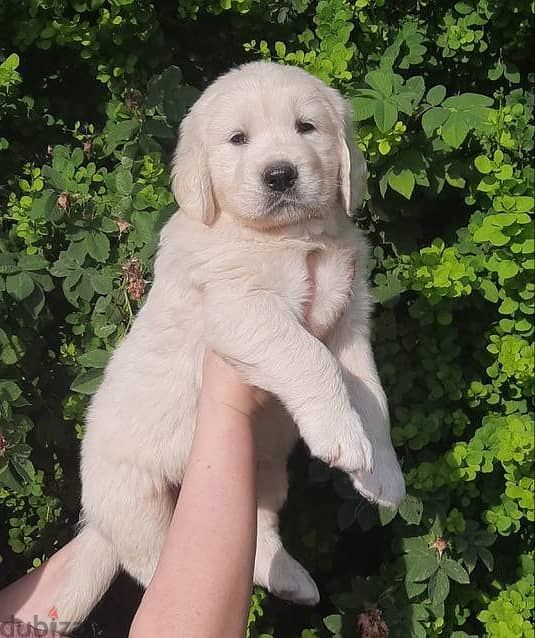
[223, 389]
[239, 400]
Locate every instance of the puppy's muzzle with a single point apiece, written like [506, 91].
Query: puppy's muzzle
[280, 177]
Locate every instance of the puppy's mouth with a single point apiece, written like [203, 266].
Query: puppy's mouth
[282, 210]
[290, 200]
[278, 202]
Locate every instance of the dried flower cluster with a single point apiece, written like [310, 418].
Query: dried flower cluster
[133, 277]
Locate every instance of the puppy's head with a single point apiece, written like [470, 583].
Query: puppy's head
[270, 145]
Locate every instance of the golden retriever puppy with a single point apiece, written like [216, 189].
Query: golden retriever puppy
[266, 177]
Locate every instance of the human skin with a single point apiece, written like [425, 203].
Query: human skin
[31, 598]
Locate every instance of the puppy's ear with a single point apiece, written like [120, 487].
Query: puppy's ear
[190, 175]
[353, 173]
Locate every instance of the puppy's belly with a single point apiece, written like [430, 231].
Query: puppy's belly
[144, 413]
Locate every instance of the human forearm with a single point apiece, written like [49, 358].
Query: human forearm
[203, 582]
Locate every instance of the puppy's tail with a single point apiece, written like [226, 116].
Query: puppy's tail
[91, 567]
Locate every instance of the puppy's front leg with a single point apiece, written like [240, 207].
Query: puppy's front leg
[350, 343]
[261, 335]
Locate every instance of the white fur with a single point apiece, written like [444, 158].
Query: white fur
[232, 273]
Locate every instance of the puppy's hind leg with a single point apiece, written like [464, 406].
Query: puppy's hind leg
[91, 567]
[125, 525]
[275, 569]
[143, 515]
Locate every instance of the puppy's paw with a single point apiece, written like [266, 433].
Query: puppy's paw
[386, 484]
[345, 445]
[290, 581]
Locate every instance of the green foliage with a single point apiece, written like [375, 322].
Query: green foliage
[9, 78]
[510, 614]
[91, 95]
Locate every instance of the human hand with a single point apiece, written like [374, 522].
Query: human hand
[222, 386]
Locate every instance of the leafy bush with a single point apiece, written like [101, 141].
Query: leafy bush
[91, 94]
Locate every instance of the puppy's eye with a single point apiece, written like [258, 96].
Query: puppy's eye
[238, 139]
[304, 127]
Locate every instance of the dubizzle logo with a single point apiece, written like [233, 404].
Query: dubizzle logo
[14, 628]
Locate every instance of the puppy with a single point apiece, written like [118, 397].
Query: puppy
[266, 176]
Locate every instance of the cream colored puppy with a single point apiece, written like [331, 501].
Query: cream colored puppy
[265, 174]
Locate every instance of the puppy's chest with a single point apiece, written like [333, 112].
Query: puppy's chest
[320, 290]
[331, 274]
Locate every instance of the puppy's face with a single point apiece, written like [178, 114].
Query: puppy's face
[273, 154]
[267, 145]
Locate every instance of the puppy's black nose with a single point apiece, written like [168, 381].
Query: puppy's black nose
[280, 177]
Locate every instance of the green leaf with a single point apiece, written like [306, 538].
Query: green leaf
[87, 382]
[121, 132]
[63, 266]
[384, 147]
[496, 72]
[467, 101]
[414, 87]
[85, 288]
[159, 128]
[77, 251]
[77, 157]
[455, 571]
[411, 510]
[7, 265]
[363, 107]
[32, 262]
[35, 302]
[507, 269]
[56, 179]
[280, 49]
[436, 95]
[94, 359]
[414, 589]
[463, 8]
[333, 623]
[418, 630]
[9, 391]
[102, 282]
[439, 587]
[386, 514]
[97, 245]
[44, 207]
[105, 330]
[433, 119]
[19, 286]
[512, 73]
[7, 479]
[402, 181]
[387, 286]
[490, 291]
[421, 565]
[483, 164]
[144, 224]
[11, 63]
[385, 114]
[487, 558]
[524, 204]
[381, 81]
[492, 234]
[455, 129]
[124, 181]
